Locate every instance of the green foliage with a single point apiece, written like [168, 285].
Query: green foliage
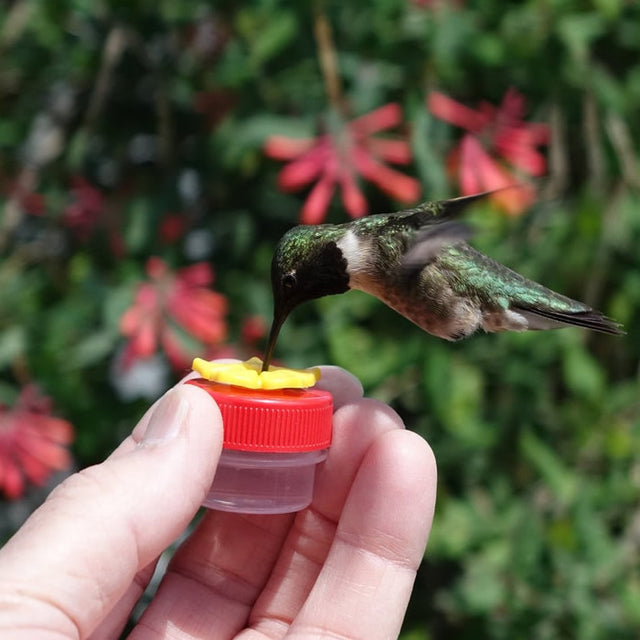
[164, 108]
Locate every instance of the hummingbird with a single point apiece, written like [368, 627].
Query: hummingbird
[418, 262]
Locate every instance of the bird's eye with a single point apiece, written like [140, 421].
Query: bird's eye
[289, 281]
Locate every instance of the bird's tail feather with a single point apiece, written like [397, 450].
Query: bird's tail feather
[588, 319]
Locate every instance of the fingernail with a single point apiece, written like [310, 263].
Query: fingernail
[167, 420]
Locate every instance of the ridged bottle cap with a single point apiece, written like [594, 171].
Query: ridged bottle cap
[278, 421]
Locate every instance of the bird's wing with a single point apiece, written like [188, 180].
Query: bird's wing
[429, 241]
[474, 274]
[429, 212]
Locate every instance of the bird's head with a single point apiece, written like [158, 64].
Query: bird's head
[307, 264]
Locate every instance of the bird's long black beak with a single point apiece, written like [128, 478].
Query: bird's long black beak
[278, 321]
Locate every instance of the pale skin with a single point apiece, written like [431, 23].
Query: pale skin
[343, 568]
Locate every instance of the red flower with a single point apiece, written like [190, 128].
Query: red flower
[84, 212]
[169, 302]
[335, 158]
[253, 329]
[32, 203]
[171, 228]
[500, 131]
[33, 444]
[20, 191]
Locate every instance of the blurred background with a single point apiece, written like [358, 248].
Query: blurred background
[151, 155]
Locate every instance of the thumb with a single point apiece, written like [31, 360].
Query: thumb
[79, 552]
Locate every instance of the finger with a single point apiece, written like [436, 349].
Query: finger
[216, 575]
[342, 385]
[103, 525]
[131, 442]
[112, 625]
[357, 427]
[220, 571]
[378, 545]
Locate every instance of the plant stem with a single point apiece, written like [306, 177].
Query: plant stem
[328, 60]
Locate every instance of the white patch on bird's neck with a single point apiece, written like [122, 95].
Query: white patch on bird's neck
[357, 252]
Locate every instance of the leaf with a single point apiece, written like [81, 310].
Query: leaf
[415, 634]
[456, 391]
[266, 34]
[360, 352]
[454, 530]
[89, 351]
[12, 344]
[115, 302]
[611, 9]
[578, 31]
[582, 373]
[137, 231]
[561, 480]
[483, 585]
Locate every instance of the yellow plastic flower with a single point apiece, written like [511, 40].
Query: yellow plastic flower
[249, 374]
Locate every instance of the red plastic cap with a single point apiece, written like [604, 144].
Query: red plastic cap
[278, 421]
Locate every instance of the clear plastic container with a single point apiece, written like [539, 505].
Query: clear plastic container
[251, 482]
[273, 442]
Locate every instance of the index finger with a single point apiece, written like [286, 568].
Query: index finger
[342, 385]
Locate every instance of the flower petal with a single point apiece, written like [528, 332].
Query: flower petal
[283, 148]
[514, 201]
[515, 146]
[512, 106]
[156, 267]
[32, 399]
[453, 112]
[11, 478]
[392, 182]
[50, 428]
[304, 170]
[315, 207]
[539, 132]
[467, 156]
[385, 117]
[143, 342]
[494, 177]
[33, 469]
[131, 320]
[209, 305]
[352, 198]
[395, 151]
[201, 327]
[199, 274]
[178, 356]
[50, 454]
[253, 328]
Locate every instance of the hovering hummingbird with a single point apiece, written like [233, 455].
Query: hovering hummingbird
[419, 263]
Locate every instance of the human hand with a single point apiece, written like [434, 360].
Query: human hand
[343, 567]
